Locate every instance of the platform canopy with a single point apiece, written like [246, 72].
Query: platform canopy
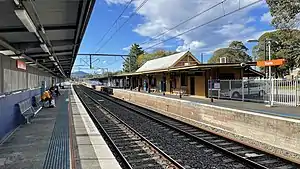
[44, 33]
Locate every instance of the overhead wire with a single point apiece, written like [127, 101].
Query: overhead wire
[115, 22]
[183, 22]
[204, 24]
[132, 14]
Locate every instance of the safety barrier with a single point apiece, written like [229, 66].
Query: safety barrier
[272, 91]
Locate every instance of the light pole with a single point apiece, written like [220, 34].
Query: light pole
[270, 70]
[253, 40]
[269, 46]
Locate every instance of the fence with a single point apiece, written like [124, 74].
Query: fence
[271, 91]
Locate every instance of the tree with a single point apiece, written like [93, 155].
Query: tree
[130, 63]
[236, 52]
[285, 13]
[89, 76]
[143, 58]
[255, 50]
[284, 45]
[238, 45]
[110, 73]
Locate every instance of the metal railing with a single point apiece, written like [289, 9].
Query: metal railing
[271, 91]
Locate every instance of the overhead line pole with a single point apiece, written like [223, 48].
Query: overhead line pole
[101, 54]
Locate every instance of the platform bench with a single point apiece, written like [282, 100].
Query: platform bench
[26, 109]
[37, 103]
[153, 90]
[179, 92]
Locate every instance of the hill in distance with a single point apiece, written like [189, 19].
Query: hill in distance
[79, 74]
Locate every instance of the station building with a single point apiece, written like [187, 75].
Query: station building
[181, 73]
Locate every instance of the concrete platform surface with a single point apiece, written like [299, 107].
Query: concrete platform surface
[31, 145]
[277, 110]
[92, 152]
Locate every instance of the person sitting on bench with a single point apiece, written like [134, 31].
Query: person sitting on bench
[47, 96]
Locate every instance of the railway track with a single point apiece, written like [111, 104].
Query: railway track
[232, 154]
[133, 150]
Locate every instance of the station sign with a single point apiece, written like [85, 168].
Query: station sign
[21, 65]
[276, 62]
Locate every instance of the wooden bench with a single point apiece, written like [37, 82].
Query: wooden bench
[153, 90]
[178, 91]
[26, 109]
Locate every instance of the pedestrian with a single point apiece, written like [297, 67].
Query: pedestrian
[47, 96]
[57, 91]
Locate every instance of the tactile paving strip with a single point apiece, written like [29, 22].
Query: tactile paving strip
[58, 152]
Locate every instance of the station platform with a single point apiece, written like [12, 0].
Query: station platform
[63, 137]
[282, 111]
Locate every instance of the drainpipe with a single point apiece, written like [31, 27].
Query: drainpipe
[180, 86]
[211, 94]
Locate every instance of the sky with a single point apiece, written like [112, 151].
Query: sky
[218, 25]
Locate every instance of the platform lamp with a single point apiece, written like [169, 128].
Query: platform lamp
[270, 69]
[269, 47]
[256, 41]
[211, 85]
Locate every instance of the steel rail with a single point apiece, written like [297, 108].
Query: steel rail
[175, 163]
[97, 123]
[248, 162]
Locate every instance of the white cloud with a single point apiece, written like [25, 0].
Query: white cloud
[231, 30]
[125, 16]
[150, 28]
[160, 15]
[250, 20]
[147, 45]
[193, 46]
[126, 48]
[116, 1]
[266, 17]
[257, 35]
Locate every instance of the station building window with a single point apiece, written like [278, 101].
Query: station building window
[226, 76]
[183, 80]
[153, 82]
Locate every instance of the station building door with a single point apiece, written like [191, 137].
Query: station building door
[192, 85]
